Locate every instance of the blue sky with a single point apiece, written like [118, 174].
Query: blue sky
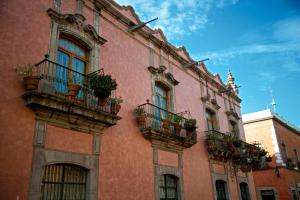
[258, 39]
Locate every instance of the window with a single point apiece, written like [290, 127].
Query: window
[244, 191]
[221, 190]
[168, 187]
[284, 151]
[267, 195]
[233, 127]
[64, 181]
[161, 101]
[211, 120]
[296, 155]
[74, 59]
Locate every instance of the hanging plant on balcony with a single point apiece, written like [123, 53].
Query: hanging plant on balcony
[228, 140]
[236, 142]
[211, 141]
[190, 126]
[30, 80]
[140, 116]
[166, 125]
[116, 104]
[102, 85]
[177, 124]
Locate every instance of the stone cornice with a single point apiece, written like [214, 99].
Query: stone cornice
[148, 33]
[77, 21]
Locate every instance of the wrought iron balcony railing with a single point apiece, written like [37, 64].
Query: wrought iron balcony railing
[224, 147]
[157, 123]
[55, 79]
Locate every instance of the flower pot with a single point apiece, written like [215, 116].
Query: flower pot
[102, 101]
[115, 108]
[177, 128]
[211, 145]
[73, 90]
[141, 120]
[166, 126]
[31, 82]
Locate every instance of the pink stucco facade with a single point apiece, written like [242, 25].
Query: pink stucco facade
[126, 161]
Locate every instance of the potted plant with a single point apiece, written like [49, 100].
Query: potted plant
[102, 86]
[73, 89]
[30, 80]
[211, 139]
[116, 104]
[227, 141]
[166, 125]
[190, 126]
[140, 116]
[236, 142]
[177, 124]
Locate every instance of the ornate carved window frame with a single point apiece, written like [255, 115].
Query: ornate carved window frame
[74, 26]
[158, 75]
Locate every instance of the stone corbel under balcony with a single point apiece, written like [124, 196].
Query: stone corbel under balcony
[67, 113]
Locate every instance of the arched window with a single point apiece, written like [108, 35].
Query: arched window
[168, 187]
[211, 120]
[244, 191]
[161, 100]
[64, 181]
[233, 127]
[221, 190]
[74, 58]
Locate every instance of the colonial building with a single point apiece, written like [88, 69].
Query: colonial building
[280, 179]
[62, 138]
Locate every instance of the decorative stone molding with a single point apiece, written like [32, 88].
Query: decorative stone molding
[77, 21]
[67, 113]
[215, 104]
[161, 72]
[163, 169]
[40, 133]
[42, 157]
[232, 113]
[260, 189]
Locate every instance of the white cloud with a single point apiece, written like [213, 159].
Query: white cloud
[254, 49]
[177, 18]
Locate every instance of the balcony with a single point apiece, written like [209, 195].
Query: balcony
[225, 147]
[163, 127]
[55, 102]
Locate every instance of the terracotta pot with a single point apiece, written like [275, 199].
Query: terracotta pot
[31, 82]
[73, 90]
[141, 120]
[166, 126]
[102, 102]
[177, 128]
[115, 108]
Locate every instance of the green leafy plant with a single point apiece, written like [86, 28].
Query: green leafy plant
[190, 124]
[139, 111]
[236, 141]
[117, 100]
[211, 136]
[26, 70]
[177, 118]
[102, 85]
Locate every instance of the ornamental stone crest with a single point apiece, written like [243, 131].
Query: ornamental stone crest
[76, 21]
